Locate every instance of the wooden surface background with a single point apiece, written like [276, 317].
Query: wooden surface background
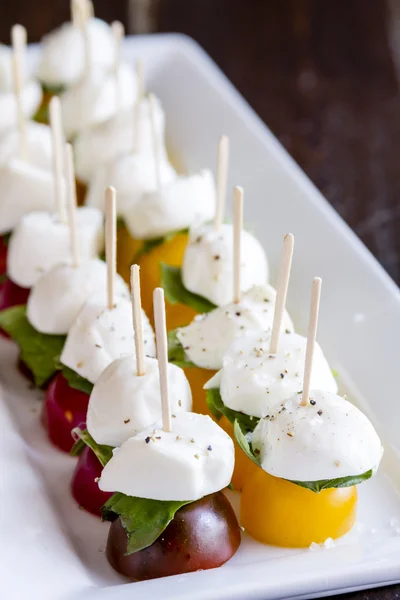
[323, 74]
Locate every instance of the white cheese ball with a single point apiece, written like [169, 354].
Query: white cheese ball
[31, 93]
[24, 188]
[100, 335]
[63, 52]
[96, 98]
[132, 175]
[40, 241]
[186, 201]
[193, 460]
[252, 380]
[208, 336]
[123, 404]
[207, 267]
[327, 439]
[39, 146]
[105, 142]
[58, 296]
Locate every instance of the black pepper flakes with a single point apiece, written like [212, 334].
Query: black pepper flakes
[319, 412]
[147, 440]
[313, 402]
[238, 313]
[282, 375]
[209, 448]
[126, 421]
[217, 257]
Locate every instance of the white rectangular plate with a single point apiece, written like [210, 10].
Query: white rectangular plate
[52, 550]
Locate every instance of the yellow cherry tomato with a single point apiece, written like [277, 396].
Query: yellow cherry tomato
[171, 252]
[197, 378]
[277, 512]
[244, 467]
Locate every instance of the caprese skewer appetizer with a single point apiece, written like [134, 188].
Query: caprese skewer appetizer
[311, 450]
[168, 513]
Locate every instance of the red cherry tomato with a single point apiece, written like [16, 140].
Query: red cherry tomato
[3, 255]
[84, 485]
[64, 408]
[11, 294]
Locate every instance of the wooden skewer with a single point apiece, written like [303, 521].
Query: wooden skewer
[89, 9]
[111, 243]
[162, 355]
[74, 8]
[311, 337]
[58, 146]
[138, 106]
[156, 141]
[281, 294]
[18, 38]
[221, 179]
[118, 32]
[137, 320]
[237, 235]
[71, 201]
[83, 14]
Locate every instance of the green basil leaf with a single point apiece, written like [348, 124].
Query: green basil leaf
[146, 247]
[335, 373]
[176, 293]
[6, 238]
[218, 408]
[103, 453]
[245, 444]
[42, 114]
[340, 482]
[143, 520]
[313, 486]
[76, 381]
[39, 351]
[176, 353]
[54, 90]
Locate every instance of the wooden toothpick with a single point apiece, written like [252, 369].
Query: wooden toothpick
[162, 355]
[83, 14]
[18, 38]
[111, 243]
[138, 106]
[281, 293]
[58, 160]
[71, 202]
[237, 236]
[118, 32]
[311, 337]
[221, 180]
[156, 141]
[137, 320]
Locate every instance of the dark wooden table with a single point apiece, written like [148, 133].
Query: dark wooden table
[323, 74]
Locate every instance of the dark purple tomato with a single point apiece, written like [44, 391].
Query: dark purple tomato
[63, 409]
[203, 535]
[84, 485]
